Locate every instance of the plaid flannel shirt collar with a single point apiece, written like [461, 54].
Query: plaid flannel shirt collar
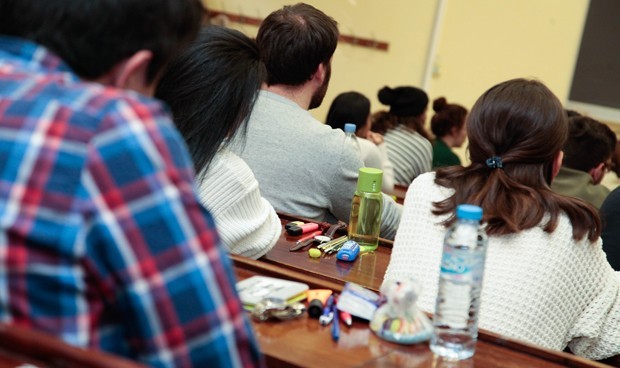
[33, 56]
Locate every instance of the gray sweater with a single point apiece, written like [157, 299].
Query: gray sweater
[303, 166]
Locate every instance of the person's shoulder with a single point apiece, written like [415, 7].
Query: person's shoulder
[425, 180]
[612, 200]
[227, 164]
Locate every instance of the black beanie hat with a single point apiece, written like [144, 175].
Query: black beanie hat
[404, 101]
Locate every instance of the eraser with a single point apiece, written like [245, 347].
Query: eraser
[314, 253]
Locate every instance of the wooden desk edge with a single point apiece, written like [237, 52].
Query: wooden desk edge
[268, 269]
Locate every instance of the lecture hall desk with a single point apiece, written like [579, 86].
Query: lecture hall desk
[304, 343]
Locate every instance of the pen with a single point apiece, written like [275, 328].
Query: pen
[346, 318]
[328, 312]
[336, 324]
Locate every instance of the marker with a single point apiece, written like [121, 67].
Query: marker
[293, 224]
[318, 298]
[336, 324]
[302, 229]
[328, 312]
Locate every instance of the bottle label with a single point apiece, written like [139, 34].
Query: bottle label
[464, 265]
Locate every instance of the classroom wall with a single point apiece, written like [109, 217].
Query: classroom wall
[405, 24]
[480, 43]
[468, 45]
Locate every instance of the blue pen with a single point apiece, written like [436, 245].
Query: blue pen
[328, 312]
[336, 324]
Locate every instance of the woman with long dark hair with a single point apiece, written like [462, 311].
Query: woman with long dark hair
[211, 88]
[547, 280]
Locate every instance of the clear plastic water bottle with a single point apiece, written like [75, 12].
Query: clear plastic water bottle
[366, 209]
[350, 138]
[455, 323]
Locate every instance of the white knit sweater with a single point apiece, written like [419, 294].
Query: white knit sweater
[542, 288]
[247, 224]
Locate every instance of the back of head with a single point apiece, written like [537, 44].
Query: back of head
[93, 36]
[407, 107]
[516, 130]
[211, 88]
[514, 120]
[589, 143]
[294, 41]
[447, 116]
[404, 101]
[348, 107]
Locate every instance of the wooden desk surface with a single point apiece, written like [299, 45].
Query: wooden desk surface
[367, 270]
[303, 342]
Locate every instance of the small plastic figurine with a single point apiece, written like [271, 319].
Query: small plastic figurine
[398, 319]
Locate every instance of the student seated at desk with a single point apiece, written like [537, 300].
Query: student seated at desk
[211, 88]
[354, 108]
[588, 155]
[546, 280]
[448, 125]
[408, 143]
[103, 241]
[303, 166]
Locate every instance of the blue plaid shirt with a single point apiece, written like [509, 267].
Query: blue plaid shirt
[102, 239]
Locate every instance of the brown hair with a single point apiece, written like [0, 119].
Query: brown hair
[447, 116]
[523, 123]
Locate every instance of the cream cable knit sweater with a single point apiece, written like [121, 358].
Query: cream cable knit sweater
[247, 224]
[545, 289]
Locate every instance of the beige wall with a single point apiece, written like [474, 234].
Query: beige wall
[405, 24]
[478, 44]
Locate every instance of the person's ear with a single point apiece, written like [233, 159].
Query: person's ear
[319, 75]
[597, 173]
[557, 164]
[132, 73]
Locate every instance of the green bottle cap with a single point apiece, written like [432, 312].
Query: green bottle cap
[369, 180]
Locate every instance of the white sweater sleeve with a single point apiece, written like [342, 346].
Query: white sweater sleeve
[246, 222]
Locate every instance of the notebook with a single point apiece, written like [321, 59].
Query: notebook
[255, 288]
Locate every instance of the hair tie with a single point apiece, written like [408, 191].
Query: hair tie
[495, 162]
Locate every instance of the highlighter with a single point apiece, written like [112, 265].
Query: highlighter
[317, 298]
[302, 229]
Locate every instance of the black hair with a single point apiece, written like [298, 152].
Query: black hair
[92, 36]
[589, 143]
[294, 41]
[211, 88]
[348, 107]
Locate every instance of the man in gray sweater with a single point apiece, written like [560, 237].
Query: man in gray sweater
[303, 166]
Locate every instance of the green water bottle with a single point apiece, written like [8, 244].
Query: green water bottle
[366, 209]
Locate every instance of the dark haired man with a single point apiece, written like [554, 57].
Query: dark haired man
[103, 242]
[587, 157]
[303, 166]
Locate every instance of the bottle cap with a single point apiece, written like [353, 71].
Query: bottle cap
[350, 128]
[468, 212]
[369, 180]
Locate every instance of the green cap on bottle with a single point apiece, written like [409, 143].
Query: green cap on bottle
[369, 180]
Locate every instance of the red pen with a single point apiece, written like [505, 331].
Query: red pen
[309, 236]
[346, 318]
